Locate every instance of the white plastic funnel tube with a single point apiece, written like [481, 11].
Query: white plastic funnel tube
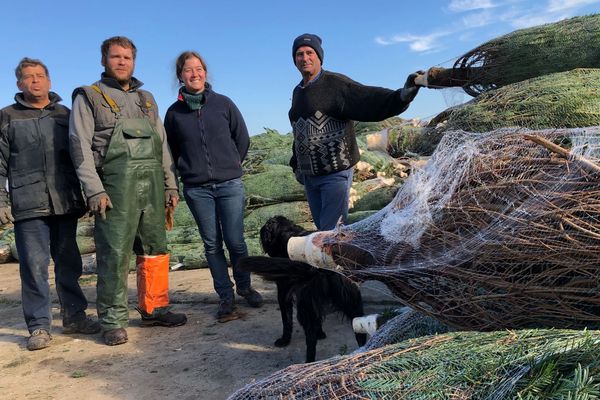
[304, 249]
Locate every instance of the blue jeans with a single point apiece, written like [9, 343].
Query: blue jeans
[219, 213]
[37, 240]
[328, 196]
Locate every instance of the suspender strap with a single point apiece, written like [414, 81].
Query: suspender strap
[113, 106]
[145, 105]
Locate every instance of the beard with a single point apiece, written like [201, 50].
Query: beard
[122, 79]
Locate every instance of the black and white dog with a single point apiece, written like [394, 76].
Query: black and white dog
[314, 291]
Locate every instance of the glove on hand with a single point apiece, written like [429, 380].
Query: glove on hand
[98, 203]
[6, 216]
[171, 197]
[410, 89]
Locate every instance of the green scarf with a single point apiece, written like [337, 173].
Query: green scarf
[194, 101]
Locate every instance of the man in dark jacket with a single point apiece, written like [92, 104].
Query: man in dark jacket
[45, 203]
[324, 107]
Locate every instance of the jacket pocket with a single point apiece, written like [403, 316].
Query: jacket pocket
[28, 192]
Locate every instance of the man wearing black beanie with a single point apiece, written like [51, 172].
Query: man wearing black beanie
[324, 107]
[309, 40]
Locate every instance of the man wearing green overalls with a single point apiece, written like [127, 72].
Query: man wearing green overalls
[122, 159]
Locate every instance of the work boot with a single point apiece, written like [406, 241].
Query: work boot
[39, 339]
[86, 326]
[253, 298]
[226, 306]
[113, 337]
[168, 319]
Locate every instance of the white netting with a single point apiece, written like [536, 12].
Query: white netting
[406, 324]
[499, 230]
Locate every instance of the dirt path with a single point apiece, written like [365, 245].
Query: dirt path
[202, 360]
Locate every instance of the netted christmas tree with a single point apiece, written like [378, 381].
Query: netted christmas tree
[539, 365]
[499, 230]
[524, 54]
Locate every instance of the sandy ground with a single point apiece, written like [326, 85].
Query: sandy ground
[202, 360]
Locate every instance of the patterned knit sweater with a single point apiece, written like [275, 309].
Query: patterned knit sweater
[322, 117]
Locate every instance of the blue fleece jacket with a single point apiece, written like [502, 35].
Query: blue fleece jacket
[209, 144]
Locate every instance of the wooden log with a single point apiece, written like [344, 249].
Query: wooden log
[590, 165]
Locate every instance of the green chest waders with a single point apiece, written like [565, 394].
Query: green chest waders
[133, 178]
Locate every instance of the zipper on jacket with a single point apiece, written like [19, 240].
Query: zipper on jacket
[204, 145]
[44, 146]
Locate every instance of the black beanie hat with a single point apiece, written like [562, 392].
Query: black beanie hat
[308, 39]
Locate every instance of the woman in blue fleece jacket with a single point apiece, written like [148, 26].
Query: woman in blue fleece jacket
[209, 140]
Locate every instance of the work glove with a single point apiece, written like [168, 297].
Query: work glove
[171, 198]
[410, 89]
[169, 217]
[98, 203]
[6, 216]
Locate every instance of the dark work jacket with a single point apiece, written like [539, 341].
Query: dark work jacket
[34, 157]
[209, 144]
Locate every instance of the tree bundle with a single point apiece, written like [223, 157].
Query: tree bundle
[524, 54]
[540, 365]
[500, 230]
[562, 100]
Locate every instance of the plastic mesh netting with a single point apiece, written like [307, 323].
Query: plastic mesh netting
[568, 99]
[463, 365]
[406, 324]
[499, 230]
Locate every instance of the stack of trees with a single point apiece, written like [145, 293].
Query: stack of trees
[271, 189]
[543, 78]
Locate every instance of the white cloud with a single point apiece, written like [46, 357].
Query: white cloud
[477, 20]
[478, 14]
[564, 5]
[469, 5]
[417, 43]
[539, 14]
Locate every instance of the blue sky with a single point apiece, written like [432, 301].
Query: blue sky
[247, 44]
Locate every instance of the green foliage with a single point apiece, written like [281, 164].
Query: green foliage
[183, 216]
[408, 140]
[356, 216]
[550, 364]
[562, 100]
[78, 374]
[374, 200]
[276, 184]
[365, 128]
[184, 234]
[528, 53]
[192, 256]
[86, 244]
[297, 211]
[269, 147]
[8, 235]
[88, 280]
